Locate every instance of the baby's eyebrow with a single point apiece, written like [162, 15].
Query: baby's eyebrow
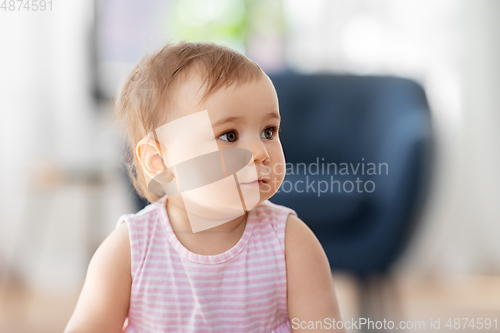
[227, 120]
[270, 115]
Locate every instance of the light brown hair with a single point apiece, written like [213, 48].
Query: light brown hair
[142, 101]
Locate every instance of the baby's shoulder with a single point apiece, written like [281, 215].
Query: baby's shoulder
[270, 214]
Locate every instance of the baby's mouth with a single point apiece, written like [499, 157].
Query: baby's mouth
[257, 182]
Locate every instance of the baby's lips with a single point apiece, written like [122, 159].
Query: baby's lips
[264, 180]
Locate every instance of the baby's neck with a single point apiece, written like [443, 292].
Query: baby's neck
[211, 241]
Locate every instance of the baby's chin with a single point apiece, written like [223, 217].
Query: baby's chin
[267, 192]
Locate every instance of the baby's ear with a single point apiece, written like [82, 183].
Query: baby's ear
[148, 154]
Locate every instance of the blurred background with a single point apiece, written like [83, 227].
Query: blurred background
[63, 185]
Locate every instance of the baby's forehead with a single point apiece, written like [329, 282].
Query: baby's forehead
[191, 92]
[189, 89]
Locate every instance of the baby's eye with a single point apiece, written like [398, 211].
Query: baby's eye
[268, 133]
[230, 136]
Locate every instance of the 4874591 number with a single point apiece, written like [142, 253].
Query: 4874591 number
[472, 323]
[26, 5]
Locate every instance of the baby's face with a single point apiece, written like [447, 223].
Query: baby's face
[245, 116]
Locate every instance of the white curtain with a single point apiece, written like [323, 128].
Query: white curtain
[45, 119]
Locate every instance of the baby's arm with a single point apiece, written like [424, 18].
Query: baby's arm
[311, 296]
[104, 301]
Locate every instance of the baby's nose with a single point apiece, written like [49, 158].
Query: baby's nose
[259, 151]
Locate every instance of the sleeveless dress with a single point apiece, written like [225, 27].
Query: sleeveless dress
[175, 290]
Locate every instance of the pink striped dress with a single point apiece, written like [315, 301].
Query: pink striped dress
[176, 290]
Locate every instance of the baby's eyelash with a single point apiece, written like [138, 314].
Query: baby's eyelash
[275, 129]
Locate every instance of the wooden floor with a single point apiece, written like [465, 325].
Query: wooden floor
[420, 299]
[426, 299]
[26, 311]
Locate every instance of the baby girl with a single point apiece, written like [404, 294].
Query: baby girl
[210, 253]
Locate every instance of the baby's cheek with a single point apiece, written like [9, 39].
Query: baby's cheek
[279, 165]
[280, 170]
